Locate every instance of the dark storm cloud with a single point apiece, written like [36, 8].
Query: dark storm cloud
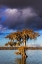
[15, 3]
[21, 19]
[34, 23]
[22, 14]
[21, 3]
[35, 4]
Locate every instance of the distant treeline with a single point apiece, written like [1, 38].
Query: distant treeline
[15, 48]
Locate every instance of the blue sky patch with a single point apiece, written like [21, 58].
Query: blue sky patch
[3, 19]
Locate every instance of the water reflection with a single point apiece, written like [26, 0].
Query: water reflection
[20, 60]
[8, 57]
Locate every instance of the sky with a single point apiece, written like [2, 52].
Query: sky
[20, 14]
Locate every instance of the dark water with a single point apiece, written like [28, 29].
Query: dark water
[8, 57]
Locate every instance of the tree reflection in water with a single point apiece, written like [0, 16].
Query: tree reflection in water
[20, 60]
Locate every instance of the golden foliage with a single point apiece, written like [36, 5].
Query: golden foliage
[22, 36]
[17, 53]
[22, 48]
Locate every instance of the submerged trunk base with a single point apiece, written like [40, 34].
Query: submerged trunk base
[24, 55]
[22, 52]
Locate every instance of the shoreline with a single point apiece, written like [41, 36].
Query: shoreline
[16, 48]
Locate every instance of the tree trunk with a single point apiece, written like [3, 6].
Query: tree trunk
[25, 42]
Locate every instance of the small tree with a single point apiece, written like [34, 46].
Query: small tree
[21, 37]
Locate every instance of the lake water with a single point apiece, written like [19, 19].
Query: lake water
[8, 57]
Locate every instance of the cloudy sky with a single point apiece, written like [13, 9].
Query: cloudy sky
[20, 14]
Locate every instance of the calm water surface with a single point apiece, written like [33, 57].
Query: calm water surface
[8, 57]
